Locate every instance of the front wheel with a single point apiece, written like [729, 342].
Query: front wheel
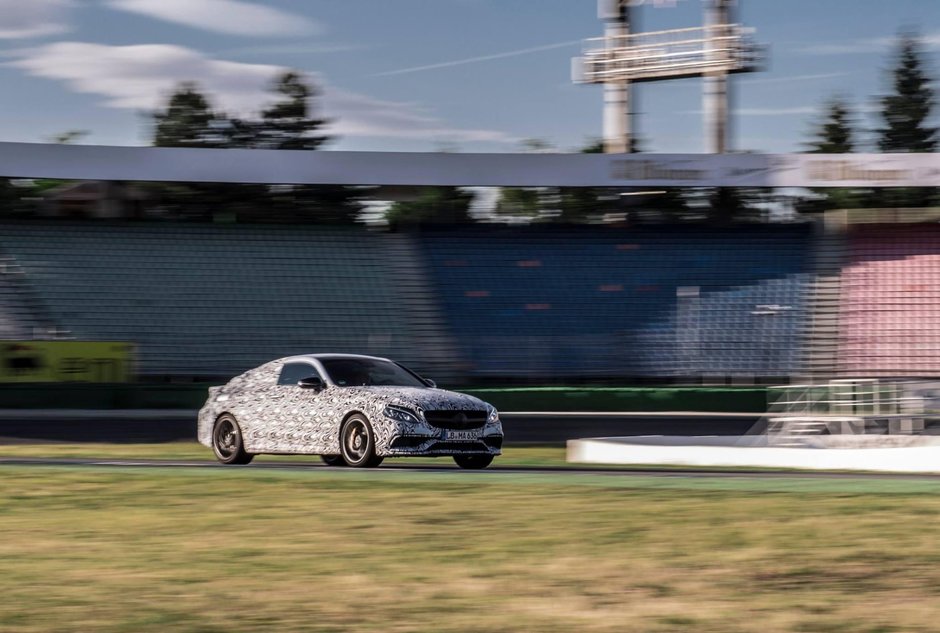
[333, 460]
[473, 462]
[357, 442]
[227, 442]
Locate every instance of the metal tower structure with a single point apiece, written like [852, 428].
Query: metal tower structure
[624, 57]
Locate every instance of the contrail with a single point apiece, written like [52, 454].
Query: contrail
[481, 58]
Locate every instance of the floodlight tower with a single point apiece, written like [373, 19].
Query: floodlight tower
[624, 57]
[717, 88]
[618, 101]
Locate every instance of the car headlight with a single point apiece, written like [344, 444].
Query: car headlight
[493, 416]
[401, 414]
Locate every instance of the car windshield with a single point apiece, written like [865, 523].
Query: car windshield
[368, 372]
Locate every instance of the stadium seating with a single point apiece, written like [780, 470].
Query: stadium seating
[678, 301]
[890, 305]
[203, 300]
[541, 302]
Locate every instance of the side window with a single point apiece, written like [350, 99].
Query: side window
[293, 372]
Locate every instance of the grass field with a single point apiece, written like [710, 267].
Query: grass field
[241, 549]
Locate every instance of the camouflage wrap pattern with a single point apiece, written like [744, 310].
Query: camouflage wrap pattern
[288, 419]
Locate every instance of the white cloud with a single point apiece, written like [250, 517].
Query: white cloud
[930, 42]
[361, 115]
[21, 19]
[232, 17]
[296, 48]
[140, 77]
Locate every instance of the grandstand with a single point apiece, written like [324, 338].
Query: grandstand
[674, 302]
[202, 300]
[553, 303]
[509, 304]
[890, 317]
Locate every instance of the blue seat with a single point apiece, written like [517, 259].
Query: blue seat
[544, 301]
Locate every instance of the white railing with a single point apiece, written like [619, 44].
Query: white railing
[855, 406]
[685, 52]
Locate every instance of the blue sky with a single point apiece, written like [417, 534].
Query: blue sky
[421, 75]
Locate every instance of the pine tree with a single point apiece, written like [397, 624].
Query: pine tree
[906, 113]
[188, 120]
[287, 124]
[834, 134]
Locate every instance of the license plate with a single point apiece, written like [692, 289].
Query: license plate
[462, 436]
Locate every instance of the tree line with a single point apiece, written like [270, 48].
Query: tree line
[905, 127]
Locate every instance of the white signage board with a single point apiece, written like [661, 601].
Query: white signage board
[90, 162]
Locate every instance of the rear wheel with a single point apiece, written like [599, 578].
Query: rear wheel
[473, 462]
[357, 441]
[333, 460]
[227, 441]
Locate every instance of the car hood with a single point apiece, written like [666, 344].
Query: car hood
[424, 399]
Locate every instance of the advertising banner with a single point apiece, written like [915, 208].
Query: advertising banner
[66, 361]
[89, 162]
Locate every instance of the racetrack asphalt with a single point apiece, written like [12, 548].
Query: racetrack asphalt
[494, 470]
[148, 426]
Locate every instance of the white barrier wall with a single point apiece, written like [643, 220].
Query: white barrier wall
[732, 452]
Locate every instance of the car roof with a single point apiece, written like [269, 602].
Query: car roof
[329, 356]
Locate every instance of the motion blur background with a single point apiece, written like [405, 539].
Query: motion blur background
[580, 312]
[190, 283]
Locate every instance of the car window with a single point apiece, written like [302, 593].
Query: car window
[292, 373]
[355, 372]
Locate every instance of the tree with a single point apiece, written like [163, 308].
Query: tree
[434, 205]
[69, 136]
[188, 121]
[9, 198]
[531, 204]
[556, 204]
[905, 113]
[287, 124]
[520, 202]
[834, 134]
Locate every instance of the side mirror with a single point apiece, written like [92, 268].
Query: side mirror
[430, 383]
[311, 382]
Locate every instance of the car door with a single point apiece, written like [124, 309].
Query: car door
[299, 415]
[254, 397]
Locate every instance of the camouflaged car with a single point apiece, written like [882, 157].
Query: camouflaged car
[352, 410]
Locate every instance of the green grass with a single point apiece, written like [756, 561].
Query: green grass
[241, 549]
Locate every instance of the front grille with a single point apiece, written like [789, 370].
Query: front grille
[456, 420]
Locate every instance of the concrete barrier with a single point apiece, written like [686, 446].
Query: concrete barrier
[922, 456]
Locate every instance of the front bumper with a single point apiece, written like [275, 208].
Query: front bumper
[421, 445]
